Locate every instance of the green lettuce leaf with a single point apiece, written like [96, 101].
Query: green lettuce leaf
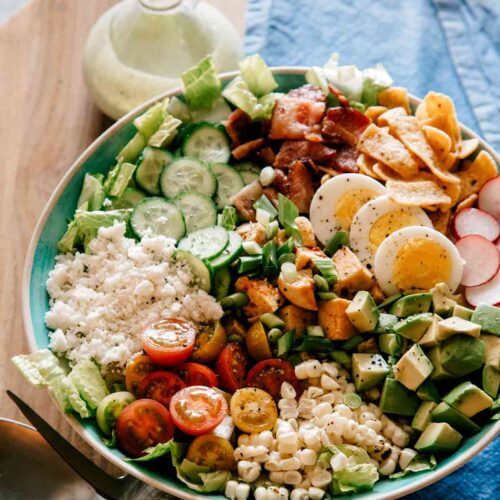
[111, 442]
[149, 122]
[218, 113]
[92, 193]
[347, 79]
[257, 75]
[164, 136]
[316, 76]
[132, 150]
[375, 80]
[87, 379]
[154, 452]
[40, 368]
[69, 241]
[118, 179]
[76, 402]
[202, 86]
[179, 109]
[419, 463]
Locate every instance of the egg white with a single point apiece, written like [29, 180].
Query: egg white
[326, 198]
[368, 215]
[385, 256]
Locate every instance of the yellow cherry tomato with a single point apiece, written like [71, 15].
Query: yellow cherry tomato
[253, 410]
[212, 451]
[136, 370]
[257, 343]
[210, 340]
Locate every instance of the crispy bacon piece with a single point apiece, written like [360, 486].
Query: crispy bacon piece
[344, 124]
[291, 151]
[244, 150]
[301, 186]
[267, 155]
[298, 113]
[343, 101]
[241, 128]
[346, 159]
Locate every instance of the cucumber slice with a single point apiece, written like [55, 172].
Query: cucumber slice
[247, 165]
[249, 176]
[109, 410]
[229, 183]
[198, 209]
[233, 250]
[219, 112]
[205, 243]
[221, 283]
[149, 168]
[202, 273]
[207, 142]
[156, 216]
[128, 199]
[187, 175]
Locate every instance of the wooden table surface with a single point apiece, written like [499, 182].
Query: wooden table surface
[47, 120]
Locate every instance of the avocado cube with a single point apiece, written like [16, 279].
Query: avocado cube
[442, 301]
[468, 399]
[368, 345]
[389, 300]
[428, 391]
[456, 326]
[422, 417]
[438, 437]
[411, 304]
[413, 327]
[385, 323]
[462, 312]
[461, 355]
[491, 381]
[391, 343]
[429, 339]
[445, 413]
[368, 370]
[413, 368]
[488, 318]
[397, 399]
[439, 372]
[363, 312]
[492, 350]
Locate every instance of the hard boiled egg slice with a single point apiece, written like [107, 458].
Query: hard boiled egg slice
[416, 258]
[378, 219]
[336, 202]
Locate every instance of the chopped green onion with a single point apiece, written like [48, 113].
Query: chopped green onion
[271, 320]
[315, 331]
[249, 263]
[235, 338]
[272, 229]
[353, 400]
[274, 334]
[326, 268]
[252, 247]
[266, 176]
[341, 357]
[321, 283]
[286, 247]
[389, 300]
[238, 299]
[327, 296]
[289, 272]
[352, 342]
[265, 204]
[315, 344]
[339, 239]
[286, 257]
[269, 261]
[228, 218]
[287, 213]
[262, 217]
[285, 343]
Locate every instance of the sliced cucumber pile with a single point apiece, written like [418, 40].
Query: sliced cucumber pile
[150, 165]
[229, 183]
[248, 170]
[207, 142]
[198, 209]
[248, 176]
[233, 250]
[205, 243]
[129, 199]
[201, 270]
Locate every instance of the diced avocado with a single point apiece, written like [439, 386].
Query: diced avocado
[442, 303]
[445, 413]
[422, 417]
[411, 304]
[468, 399]
[368, 370]
[363, 312]
[385, 323]
[462, 312]
[413, 327]
[438, 437]
[413, 368]
[488, 318]
[492, 350]
[389, 300]
[368, 345]
[397, 399]
[491, 381]
[428, 391]
[461, 355]
[456, 326]
[439, 372]
[391, 343]
[429, 339]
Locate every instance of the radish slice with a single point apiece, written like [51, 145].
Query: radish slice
[489, 293]
[481, 257]
[473, 221]
[489, 197]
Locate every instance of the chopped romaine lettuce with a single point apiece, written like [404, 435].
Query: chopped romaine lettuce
[89, 383]
[375, 80]
[76, 402]
[219, 112]
[154, 452]
[149, 122]
[92, 193]
[316, 76]
[163, 137]
[202, 86]
[347, 79]
[118, 179]
[132, 150]
[69, 240]
[40, 368]
[179, 109]
[257, 75]
[419, 463]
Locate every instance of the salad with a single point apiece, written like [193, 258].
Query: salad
[283, 295]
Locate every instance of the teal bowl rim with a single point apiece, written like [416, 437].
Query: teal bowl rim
[421, 481]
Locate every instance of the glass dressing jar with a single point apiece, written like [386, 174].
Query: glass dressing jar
[139, 48]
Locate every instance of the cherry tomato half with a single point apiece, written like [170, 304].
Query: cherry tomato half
[196, 374]
[231, 367]
[269, 374]
[197, 409]
[170, 341]
[142, 424]
[160, 386]
[136, 370]
[253, 410]
[210, 340]
[212, 451]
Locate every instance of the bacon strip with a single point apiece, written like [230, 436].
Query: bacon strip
[344, 124]
[292, 151]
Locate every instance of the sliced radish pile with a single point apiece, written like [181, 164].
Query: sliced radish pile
[489, 197]
[473, 221]
[488, 293]
[481, 257]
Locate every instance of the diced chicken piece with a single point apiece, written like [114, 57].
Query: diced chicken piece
[301, 186]
[263, 297]
[296, 318]
[241, 128]
[246, 149]
[252, 231]
[334, 321]
[352, 275]
[304, 256]
[291, 151]
[301, 291]
[306, 231]
[377, 294]
[281, 237]
[345, 124]
[245, 199]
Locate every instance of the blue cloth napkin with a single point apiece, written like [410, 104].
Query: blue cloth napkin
[451, 46]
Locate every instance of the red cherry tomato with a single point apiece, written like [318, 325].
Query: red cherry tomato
[196, 374]
[197, 409]
[142, 424]
[169, 342]
[160, 386]
[269, 374]
[231, 367]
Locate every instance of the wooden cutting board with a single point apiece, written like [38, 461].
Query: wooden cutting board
[46, 121]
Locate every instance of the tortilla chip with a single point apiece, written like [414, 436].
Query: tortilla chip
[384, 173]
[373, 112]
[441, 112]
[469, 202]
[379, 144]
[451, 189]
[421, 112]
[392, 114]
[394, 97]
[467, 148]
[440, 220]
[476, 173]
[365, 165]
[417, 194]
[438, 140]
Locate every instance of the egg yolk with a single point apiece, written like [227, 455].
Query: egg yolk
[385, 225]
[349, 203]
[420, 264]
